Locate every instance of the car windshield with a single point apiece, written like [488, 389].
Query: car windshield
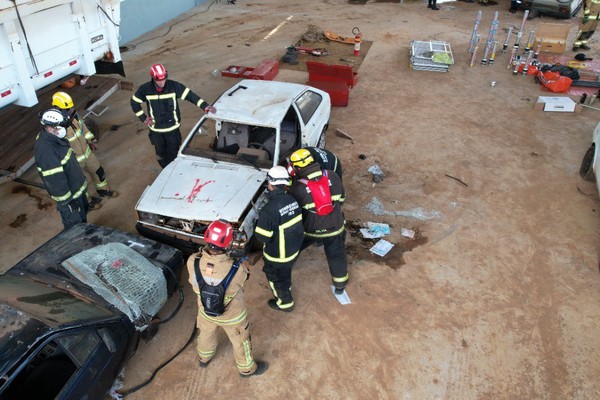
[54, 307]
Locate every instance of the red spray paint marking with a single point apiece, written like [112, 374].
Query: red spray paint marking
[196, 189]
[117, 264]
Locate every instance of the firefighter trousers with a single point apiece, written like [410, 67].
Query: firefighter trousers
[166, 145]
[335, 252]
[239, 336]
[279, 276]
[73, 212]
[92, 166]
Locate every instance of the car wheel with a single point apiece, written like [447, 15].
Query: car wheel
[586, 171]
[322, 140]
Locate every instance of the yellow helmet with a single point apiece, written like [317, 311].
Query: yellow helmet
[62, 100]
[301, 158]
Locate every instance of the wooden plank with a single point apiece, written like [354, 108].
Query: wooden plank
[19, 126]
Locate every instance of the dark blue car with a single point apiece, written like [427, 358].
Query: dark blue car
[73, 311]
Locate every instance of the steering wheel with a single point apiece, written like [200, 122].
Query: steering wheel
[257, 145]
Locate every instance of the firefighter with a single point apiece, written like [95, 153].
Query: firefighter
[163, 117]
[60, 172]
[320, 194]
[325, 158]
[83, 143]
[279, 227]
[218, 281]
[587, 24]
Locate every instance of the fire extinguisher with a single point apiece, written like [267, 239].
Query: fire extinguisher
[357, 40]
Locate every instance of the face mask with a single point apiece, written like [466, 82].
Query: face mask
[60, 132]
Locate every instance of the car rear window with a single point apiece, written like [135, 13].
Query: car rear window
[54, 307]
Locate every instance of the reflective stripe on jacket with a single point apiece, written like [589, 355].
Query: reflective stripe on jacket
[162, 106]
[279, 227]
[62, 176]
[319, 226]
[214, 269]
[78, 135]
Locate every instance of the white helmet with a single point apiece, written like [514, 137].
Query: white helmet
[278, 176]
[51, 117]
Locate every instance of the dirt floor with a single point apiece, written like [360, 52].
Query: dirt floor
[498, 294]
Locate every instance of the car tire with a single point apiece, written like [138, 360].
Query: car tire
[322, 139]
[586, 171]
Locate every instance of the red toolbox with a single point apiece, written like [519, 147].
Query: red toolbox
[265, 71]
[322, 72]
[338, 91]
[237, 71]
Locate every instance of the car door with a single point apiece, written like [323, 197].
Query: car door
[314, 111]
[79, 363]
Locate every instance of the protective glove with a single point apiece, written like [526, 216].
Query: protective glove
[211, 109]
[74, 206]
[149, 121]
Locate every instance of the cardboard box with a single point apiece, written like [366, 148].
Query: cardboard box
[557, 104]
[552, 38]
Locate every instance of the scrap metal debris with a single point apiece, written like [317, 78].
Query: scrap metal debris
[313, 34]
[343, 134]
[456, 179]
[377, 173]
[376, 207]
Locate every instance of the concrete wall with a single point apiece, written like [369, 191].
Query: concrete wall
[141, 16]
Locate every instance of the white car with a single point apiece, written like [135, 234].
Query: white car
[591, 161]
[221, 168]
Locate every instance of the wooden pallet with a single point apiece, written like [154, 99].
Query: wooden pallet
[19, 126]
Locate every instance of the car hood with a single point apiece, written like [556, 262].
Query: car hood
[203, 190]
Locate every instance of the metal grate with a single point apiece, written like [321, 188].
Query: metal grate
[421, 55]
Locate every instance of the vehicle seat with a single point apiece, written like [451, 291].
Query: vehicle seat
[287, 140]
[232, 137]
[253, 154]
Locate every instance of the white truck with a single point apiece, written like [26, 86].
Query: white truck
[44, 41]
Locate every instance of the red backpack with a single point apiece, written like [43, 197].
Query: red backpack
[320, 193]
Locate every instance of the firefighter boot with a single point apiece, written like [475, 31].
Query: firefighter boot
[261, 367]
[108, 193]
[285, 307]
[94, 204]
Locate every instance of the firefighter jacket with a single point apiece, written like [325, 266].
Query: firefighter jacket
[162, 105]
[319, 226]
[279, 227]
[326, 159]
[79, 136]
[59, 169]
[214, 269]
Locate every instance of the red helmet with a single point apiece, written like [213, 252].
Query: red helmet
[219, 234]
[158, 72]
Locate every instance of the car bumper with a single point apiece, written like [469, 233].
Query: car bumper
[188, 243]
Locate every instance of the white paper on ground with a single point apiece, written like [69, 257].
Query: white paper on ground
[560, 104]
[407, 233]
[381, 248]
[375, 230]
[342, 298]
